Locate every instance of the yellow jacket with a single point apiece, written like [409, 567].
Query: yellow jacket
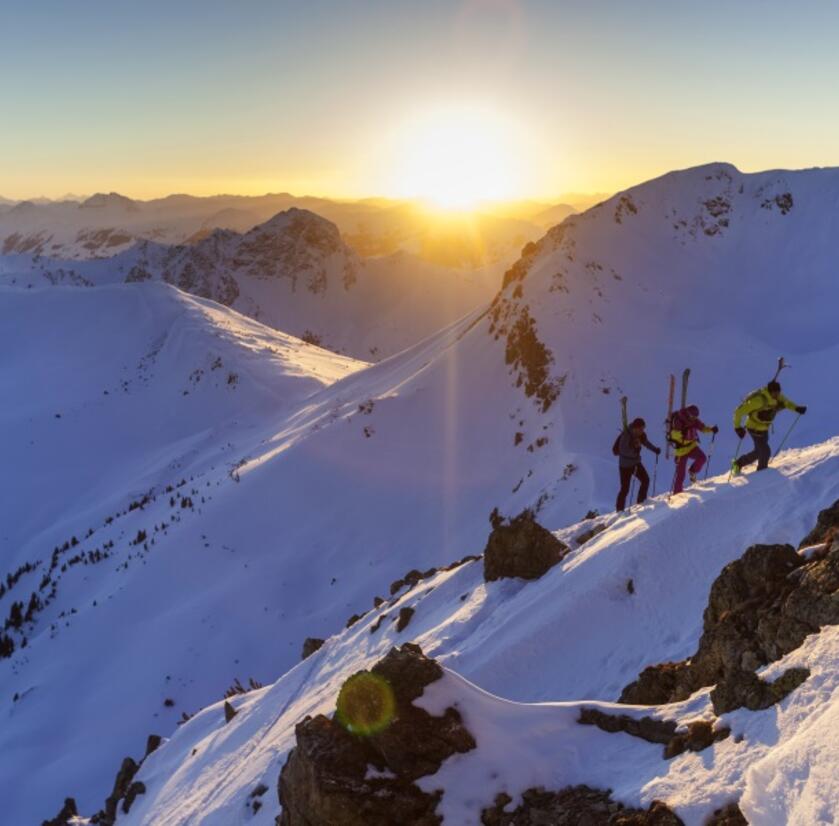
[681, 441]
[760, 408]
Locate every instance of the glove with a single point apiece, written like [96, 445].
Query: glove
[715, 430]
[740, 431]
[657, 451]
[801, 410]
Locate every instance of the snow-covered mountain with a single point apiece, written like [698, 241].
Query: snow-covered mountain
[321, 501]
[108, 223]
[295, 273]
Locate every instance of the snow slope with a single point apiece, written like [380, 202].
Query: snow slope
[324, 501]
[295, 273]
[556, 639]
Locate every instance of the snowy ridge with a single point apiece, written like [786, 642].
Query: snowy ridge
[566, 624]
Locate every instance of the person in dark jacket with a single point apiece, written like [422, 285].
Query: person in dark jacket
[628, 448]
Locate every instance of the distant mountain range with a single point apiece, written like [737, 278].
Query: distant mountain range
[294, 272]
[107, 223]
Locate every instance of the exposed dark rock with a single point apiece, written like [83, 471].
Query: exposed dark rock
[229, 711]
[152, 744]
[744, 689]
[68, 810]
[134, 789]
[827, 527]
[653, 731]
[355, 618]
[590, 533]
[574, 806]
[761, 607]
[122, 784]
[728, 816]
[404, 618]
[698, 735]
[376, 625]
[326, 778]
[310, 645]
[521, 548]
[411, 579]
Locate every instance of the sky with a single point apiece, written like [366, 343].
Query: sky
[352, 98]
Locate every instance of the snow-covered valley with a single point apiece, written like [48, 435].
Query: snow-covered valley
[191, 494]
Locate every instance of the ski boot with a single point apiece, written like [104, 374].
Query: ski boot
[692, 477]
[735, 468]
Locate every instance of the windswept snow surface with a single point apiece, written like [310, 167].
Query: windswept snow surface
[308, 493]
[575, 636]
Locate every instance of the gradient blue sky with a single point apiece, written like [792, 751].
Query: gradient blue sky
[312, 96]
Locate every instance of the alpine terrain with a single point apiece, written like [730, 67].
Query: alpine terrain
[196, 499]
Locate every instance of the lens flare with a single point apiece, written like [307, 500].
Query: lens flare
[366, 704]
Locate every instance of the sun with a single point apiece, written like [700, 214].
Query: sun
[455, 158]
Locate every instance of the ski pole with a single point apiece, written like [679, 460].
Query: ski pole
[655, 472]
[786, 436]
[736, 454]
[710, 455]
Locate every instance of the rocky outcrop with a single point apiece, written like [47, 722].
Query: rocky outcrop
[123, 784]
[696, 735]
[761, 607]
[727, 816]
[574, 806]
[521, 547]
[338, 776]
[310, 645]
[826, 529]
[126, 789]
[68, 810]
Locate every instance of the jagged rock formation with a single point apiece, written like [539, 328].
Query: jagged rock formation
[574, 806]
[697, 735]
[521, 547]
[335, 776]
[310, 645]
[826, 529]
[68, 810]
[761, 607]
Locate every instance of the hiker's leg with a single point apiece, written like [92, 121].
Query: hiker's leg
[644, 482]
[681, 469]
[762, 449]
[699, 458]
[626, 477]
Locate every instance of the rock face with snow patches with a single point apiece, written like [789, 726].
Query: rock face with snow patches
[346, 777]
[521, 547]
[760, 608]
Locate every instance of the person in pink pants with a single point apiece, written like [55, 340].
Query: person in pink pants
[685, 427]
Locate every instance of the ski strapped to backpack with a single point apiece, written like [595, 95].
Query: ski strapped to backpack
[616, 447]
[673, 416]
[671, 392]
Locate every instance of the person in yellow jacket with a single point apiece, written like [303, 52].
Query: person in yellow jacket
[759, 410]
[685, 427]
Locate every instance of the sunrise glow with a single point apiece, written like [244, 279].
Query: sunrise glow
[456, 158]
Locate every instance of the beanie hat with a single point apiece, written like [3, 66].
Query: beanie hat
[773, 387]
[638, 423]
